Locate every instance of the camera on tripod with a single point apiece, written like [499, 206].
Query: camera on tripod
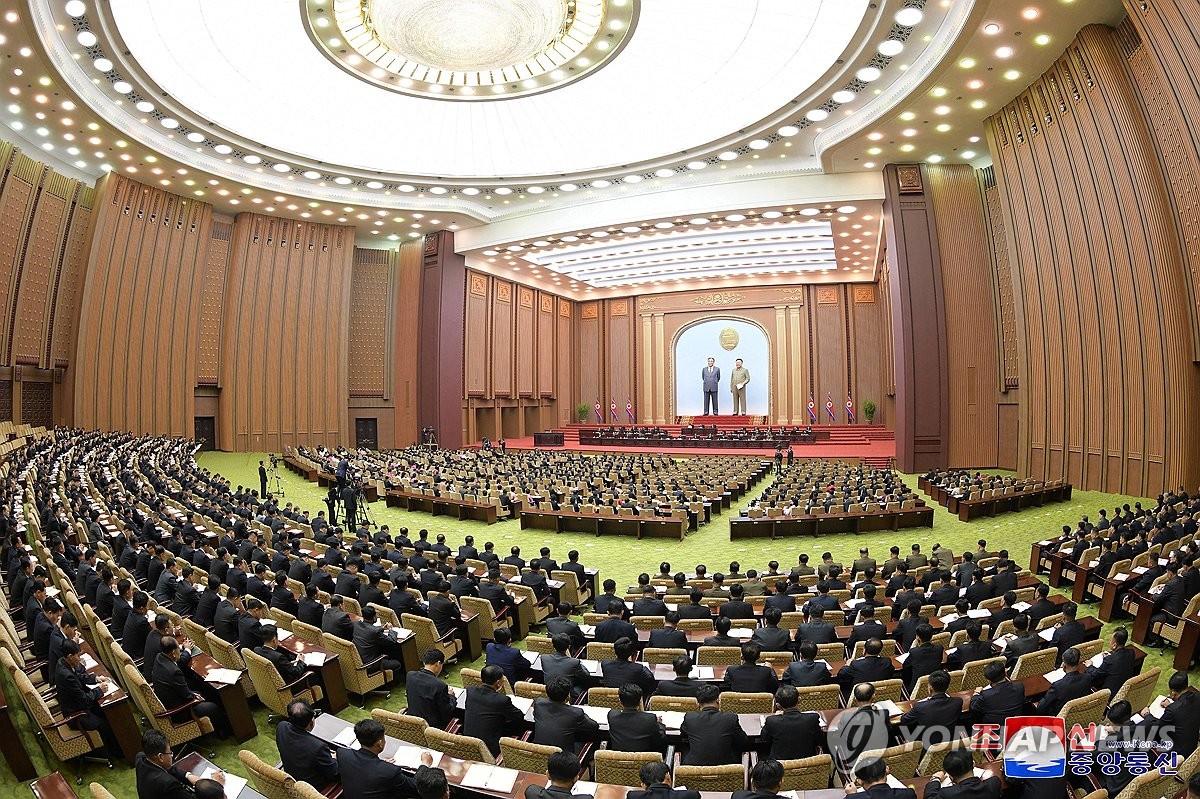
[275, 460]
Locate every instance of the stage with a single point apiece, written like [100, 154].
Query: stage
[874, 444]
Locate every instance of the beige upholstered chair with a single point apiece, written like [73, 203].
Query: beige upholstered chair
[695, 625]
[471, 677]
[1033, 663]
[461, 746]
[360, 678]
[724, 779]
[600, 651]
[529, 690]
[428, 638]
[648, 622]
[718, 656]
[973, 673]
[778, 659]
[621, 768]
[1086, 709]
[807, 774]
[1173, 632]
[1150, 785]
[931, 763]
[737, 702]
[99, 791]
[178, 733]
[603, 697]
[228, 656]
[271, 782]
[831, 652]
[524, 755]
[540, 644]
[307, 633]
[404, 727]
[67, 744]
[901, 759]
[652, 656]
[491, 623]
[571, 591]
[302, 790]
[273, 691]
[819, 697]
[540, 611]
[1138, 690]
[678, 704]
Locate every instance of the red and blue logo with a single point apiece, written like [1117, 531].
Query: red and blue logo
[1035, 747]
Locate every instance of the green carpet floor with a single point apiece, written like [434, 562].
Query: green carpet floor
[621, 559]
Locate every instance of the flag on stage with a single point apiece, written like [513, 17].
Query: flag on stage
[812, 409]
[850, 409]
[612, 406]
[629, 410]
[599, 415]
[829, 407]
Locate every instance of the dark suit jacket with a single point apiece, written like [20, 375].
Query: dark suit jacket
[922, 659]
[660, 790]
[560, 624]
[680, 686]
[1022, 645]
[555, 665]
[490, 716]
[635, 731]
[784, 602]
[690, 611]
[997, 702]
[611, 629]
[615, 673]
[305, 756]
[206, 608]
[310, 611]
[667, 638]
[772, 639]
[970, 788]
[443, 613]
[288, 665]
[714, 738]
[137, 630]
[429, 698]
[790, 735]
[866, 669]
[562, 725]
[736, 609]
[170, 686]
[750, 679]
[283, 599]
[225, 621]
[373, 642]
[865, 632]
[807, 673]
[249, 632]
[1181, 722]
[1070, 686]
[366, 776]
[74, 693]
[885, 791]
[510, 660]
[819, 632]
[940, 712]
[649, 607]
[154, 782]
[337, 622]
[1117, 667]
[1068, 635]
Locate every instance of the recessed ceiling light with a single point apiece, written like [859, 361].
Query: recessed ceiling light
[1042, 39]
[934, 159]
[973, 139]
[759, 144]
[942, 110]
[697, 165]
[665, 172]
[631, 229]
[847, 209]
[121, 87]
[874, 151]
[535, 189]
[223, 149]
[195, 136]
[968, 154]
[599, 234]
[87, 38]
[728, 155]
[991, 29]
[1031, 13]
[943, 128]
[975, 84]
[251, 159]
[103, 64]
[788, 131]
[967, 63]
[891, 47]
[282, 167]
[470, 191]
[438, 190]
[1004, 52]
[909, 132]
[908, 116]
[406, 188]
[632, 179]
[371, 184]
[817, 115]
[568, 187]
[169, 123]
[908, 148]
[735, 217]
[772, 214]
[868, 74]
[570, 239]
[664, 225]
[699, 220]
[74, 8]
[810, 212]
[843, 96]
[504, 191]
[342, 180]
[907, 17]
[1012, 74]
[977, 104]
[144, 106]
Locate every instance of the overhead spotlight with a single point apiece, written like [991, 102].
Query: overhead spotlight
[75, 8]
[868, 74]
[87, 38]
[568, 187]
[103, 64]
[282, 167]
[312, 175]
[759, 144]
[908, 17]
[504, 191]
[817, 115]
[665, 172]
[223, 149]
[144, 106]
[601, 184]
[121, 87]
[342, 180]
[438, 190]
[534, 190]
[728, 155]
[891, 47]
[169, 123]
[252, 159]
[788, 131]
[371, 184]
[844, 96]
[697, 165]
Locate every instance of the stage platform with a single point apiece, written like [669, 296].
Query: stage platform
[874, 444]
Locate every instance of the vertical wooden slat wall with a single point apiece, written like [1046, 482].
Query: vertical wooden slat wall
[285, 338]
[139, 311]
[1107, 378]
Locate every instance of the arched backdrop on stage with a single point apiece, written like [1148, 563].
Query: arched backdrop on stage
[709, 338]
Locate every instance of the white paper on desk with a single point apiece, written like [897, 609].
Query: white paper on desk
[1120, 578]
[788, 795]
[1163, 561]
[587, 629]
[596, 714]
[52, 591]
[583, 786]
[671, 719]
[112, 687]
[410, 756]
[962, 592]
[671, 608]
[1002, 642]
[982, 774]
[283, 634]
[1047, 634]
[1140, 569]
[891, 707]
[490, 778]
[702, 673]
[741, 632]
[1044, 543]
[1021, 607]
[853, 603]
[593, 666]
[895, 783]
[1157, 589]
[902, 657]
[314, 659]
[88, 661]
[226, 676]
[233, 783]
[345, 737]
[532, 657]
[1097, 660]
[1156, 707]
[948, 618]
[522, 703]
[979, 613]
[1094, 564]
[1055, 675]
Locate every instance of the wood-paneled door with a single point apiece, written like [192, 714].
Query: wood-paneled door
[366, 433]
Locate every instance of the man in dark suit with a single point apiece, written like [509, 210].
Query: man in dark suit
[974, 649]
[683, 684]
[250, 628]
[935, 719]
[1041, 607]
[229, 614]
[78, 692]
[156, 777]
[630, 729]
[558, 723]
[1026, 640]
[493, 591]
[366, 775]
[1000, 699]
[536, 580]
[1005, 579]
[1180, 721]
[285, 662]
[924, 657]
[694, 609]
[444, 614]
[282, 597]
[649, 604]
[866, 628]
[622, 670]
[816, 629]
[305, 756]
[770, 637]
[205, 613]
[561, 664]
[957, 780]
[870, 667]
[510, 660]
[614, 627]
[870, 777]
[749, 677]
[655, 777]
[428, 696]
[1072, 685]
[489, 714]
[669, 636]
[256, 584]
[1117, 666]
[721, 636]
[781, 599]
[713, 737]
[736, 607]
[336, 621]
[945, 593]
[308, 609]
[789, 734]
[1071, 631]
[766, 780]
[347, 582]
[1171, 601]
[807, 671]
[401, 601]
[1005, 613]
[137, 625]
[122, 603]
[375, 642]
[979, 590]
[171, 688]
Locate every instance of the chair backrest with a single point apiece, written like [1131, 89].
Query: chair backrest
[718, 656]
[526, 756]
[539, 643]
[931, 763]
[902, 759]
[621, 768]
[648, 622]
[302, 790]
[1086, 709]
[1151, 785]
[694, 625]
[653, 655]
[679, 704]
[807, 774]
[725, 779]
[1050, 621]
[597, 650]
[831, 652]
[267, 682]
[1038, 662]
[271, 782]
[307, 632]
[529, 690]
[460, 746]
[973, 673]
[737, 702]
[1138, 690]
[889, 689]
[603, 697]
[405, 727]
[860, 648]
[99, 791]
[819, 697]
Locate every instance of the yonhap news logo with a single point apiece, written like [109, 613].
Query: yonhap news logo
[1035, 747]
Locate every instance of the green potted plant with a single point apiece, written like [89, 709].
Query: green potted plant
[581, 412]
[869, 409]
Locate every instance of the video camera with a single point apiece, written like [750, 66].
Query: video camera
[275, 460]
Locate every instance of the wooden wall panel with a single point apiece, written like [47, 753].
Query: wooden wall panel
[37, 404]
[208, 353]
[441, 340]
[1106, 387]
[831, 359]
[564, 389]
[406, 305]
[6, 400]
[477, 333]
[134, 367]
[504, 346]
[870, 328]
[590, 349]
[371, 305]
[545, 363]
[279, 271]
[30, 316]
[22, 177]
[971, 347]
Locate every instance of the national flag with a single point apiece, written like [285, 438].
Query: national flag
[850, 409]
[612, 407]
[812, 409]
[829, 407]
[629, 410]
[599, 415]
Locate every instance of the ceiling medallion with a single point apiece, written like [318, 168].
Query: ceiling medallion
[472, 50]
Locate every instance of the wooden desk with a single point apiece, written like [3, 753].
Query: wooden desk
[461, 509]
[595, 524]
[1141, 622]
[1036, 551]
[968, 509]
[12, 746]
[470, 629]
[52, 786]
[231, 697]
[1110, 596]
[330, 672]
[1188, 642]
[117, 709]
[788, 526]
[197, 764]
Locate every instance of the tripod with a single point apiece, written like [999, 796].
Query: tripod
[276, 480]
[365, 519]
